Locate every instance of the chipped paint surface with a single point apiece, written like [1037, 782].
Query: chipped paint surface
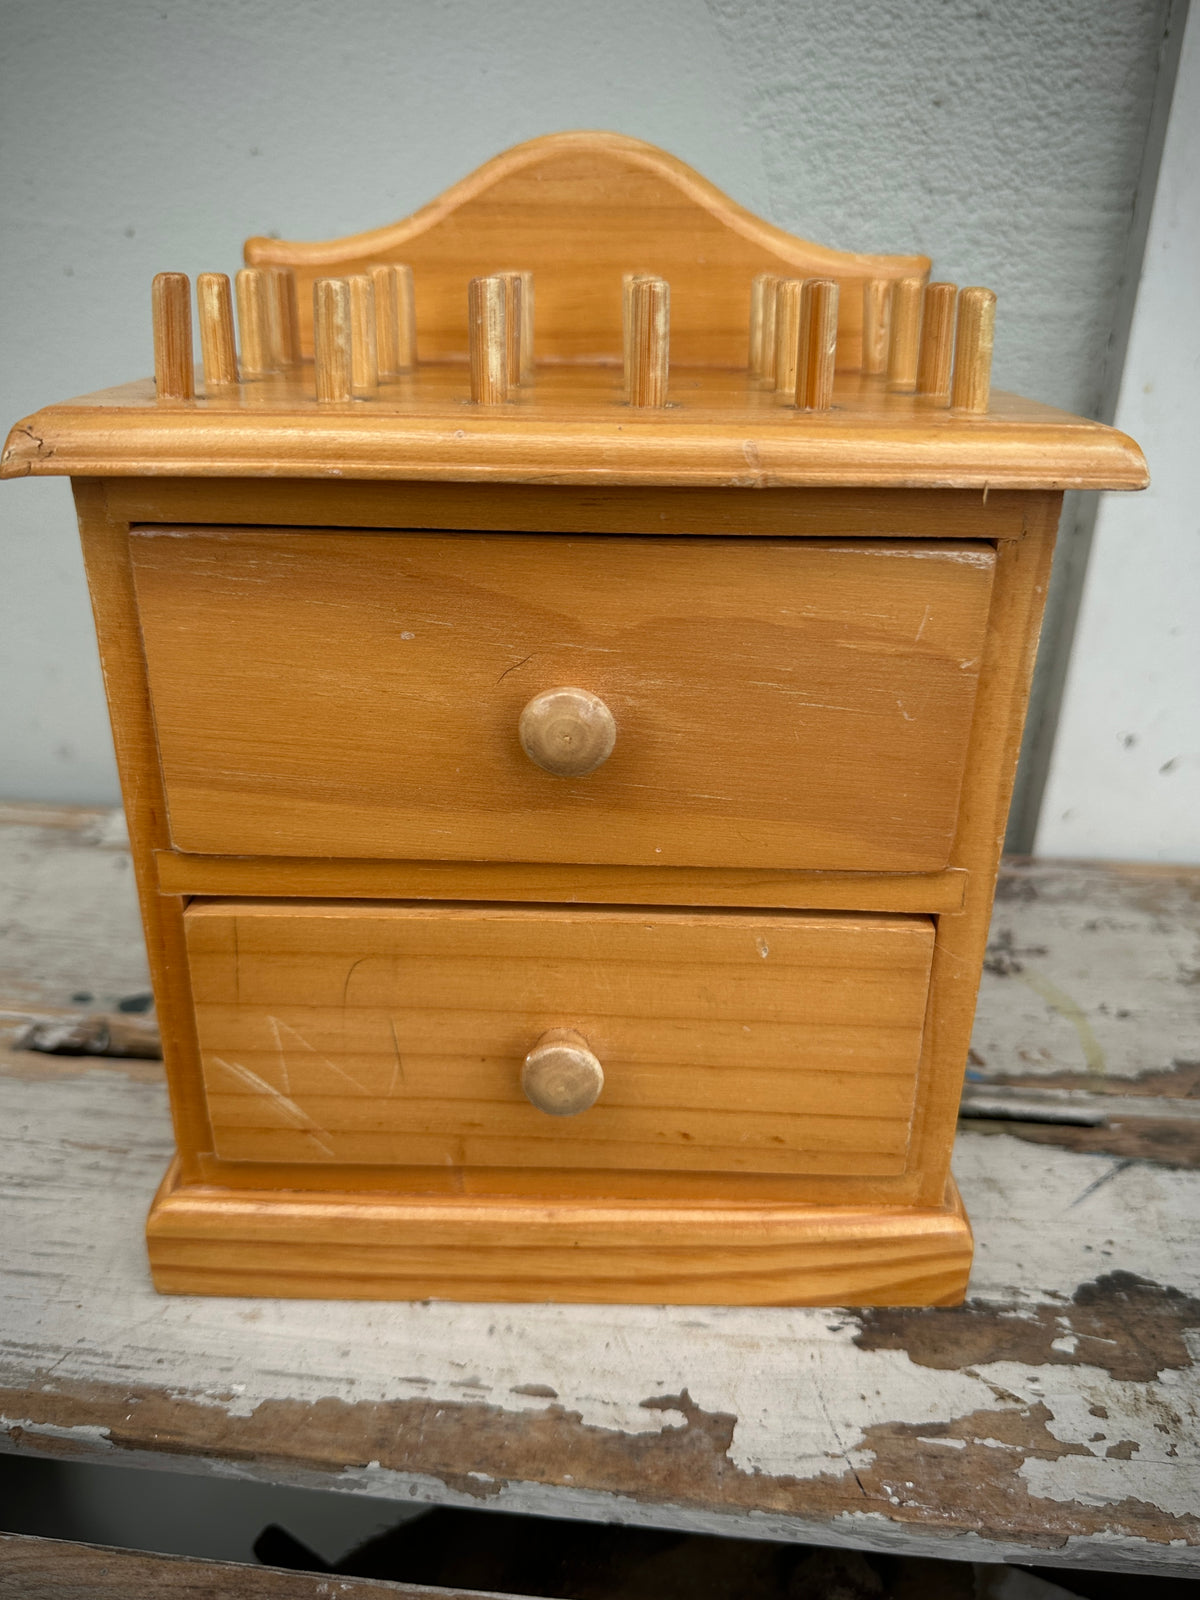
[1021, 1420]
[1055, 1413]
[1093, 975]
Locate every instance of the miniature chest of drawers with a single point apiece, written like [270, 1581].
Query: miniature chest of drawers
[567, 756]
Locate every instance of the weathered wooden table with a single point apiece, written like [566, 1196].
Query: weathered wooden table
[1052, 1420]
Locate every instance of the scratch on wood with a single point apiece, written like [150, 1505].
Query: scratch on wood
[283, 1102]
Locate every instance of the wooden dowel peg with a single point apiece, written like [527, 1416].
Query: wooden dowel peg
[628, 279]
[526, 327]
[877, 320]
[395, 320]
[973, 341]
[787, 333]
[218, 351]
[758, 288]
[387, 320]
[771, 283]
[171, 307]
[487, 337]
[904, 344]
[364, 352]
[331, 339]
[285, 315]
[258, 358]
[649, 341]
[818, 344]
[514, 325]
[937, 342]
[406, 316]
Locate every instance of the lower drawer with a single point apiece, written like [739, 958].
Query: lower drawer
[385, 1033]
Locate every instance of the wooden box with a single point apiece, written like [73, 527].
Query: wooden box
[567, 754]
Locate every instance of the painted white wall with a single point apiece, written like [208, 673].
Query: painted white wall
[1124, 777]
[144, 135]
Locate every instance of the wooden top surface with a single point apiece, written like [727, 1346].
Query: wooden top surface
[1050, 1420]
[572, 426]
[574, 213]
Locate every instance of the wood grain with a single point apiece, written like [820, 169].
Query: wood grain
[573, 426]
[758, 290]
[179, 873]
[364, 349]
[768, 347]
[813, 387]
[525, 508]
[578, 210]
[877, 322]
[487, 325]
[258, 354]
[971, 389]
[560, 1075]
[393, 319]
[905, 339]
[787, 334]
[61, 1569]
[813, 626]
[758, 702]
[649, 348]
[105, 542]
[381, 1248]
[171, 306]
[340, 1032]
[218, 348]
[333, 364]
[284, 309]
[1022, 576]
[936, 351]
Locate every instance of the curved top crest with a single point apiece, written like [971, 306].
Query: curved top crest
[579, 210]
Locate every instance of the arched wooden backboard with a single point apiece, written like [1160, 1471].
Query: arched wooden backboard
[579, 210]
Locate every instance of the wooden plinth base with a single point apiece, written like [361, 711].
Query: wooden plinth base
[208, 1240]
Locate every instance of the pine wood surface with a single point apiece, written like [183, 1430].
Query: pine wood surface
[107, 511]
[1018, 603]
[61, 1569]
[574, 426]
[329, 694]
[180, 873]
[394, 1034]
[376, 1248]
[579, 210]
[527, 508]
[105, 542]
[781, 708]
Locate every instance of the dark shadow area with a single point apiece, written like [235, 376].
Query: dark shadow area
[321, 1531]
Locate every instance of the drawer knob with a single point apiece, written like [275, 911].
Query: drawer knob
[567, 731]
[560, 1075]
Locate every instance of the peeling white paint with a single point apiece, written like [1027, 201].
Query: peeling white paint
[82, 1155]
[803, 1396]
[1119, 956]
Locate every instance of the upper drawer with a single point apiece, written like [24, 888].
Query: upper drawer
[777, 702]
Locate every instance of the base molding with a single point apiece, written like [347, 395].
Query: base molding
[209, 1240]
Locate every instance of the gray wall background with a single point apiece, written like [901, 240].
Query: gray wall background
[1008, 142]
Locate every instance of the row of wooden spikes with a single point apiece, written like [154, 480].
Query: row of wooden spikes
[926, 338]
[365, 329]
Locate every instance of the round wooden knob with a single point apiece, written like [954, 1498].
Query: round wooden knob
[561, 1076]
[567, 731]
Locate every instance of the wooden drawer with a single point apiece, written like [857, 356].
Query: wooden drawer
[385, 1033]
[785, 703]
